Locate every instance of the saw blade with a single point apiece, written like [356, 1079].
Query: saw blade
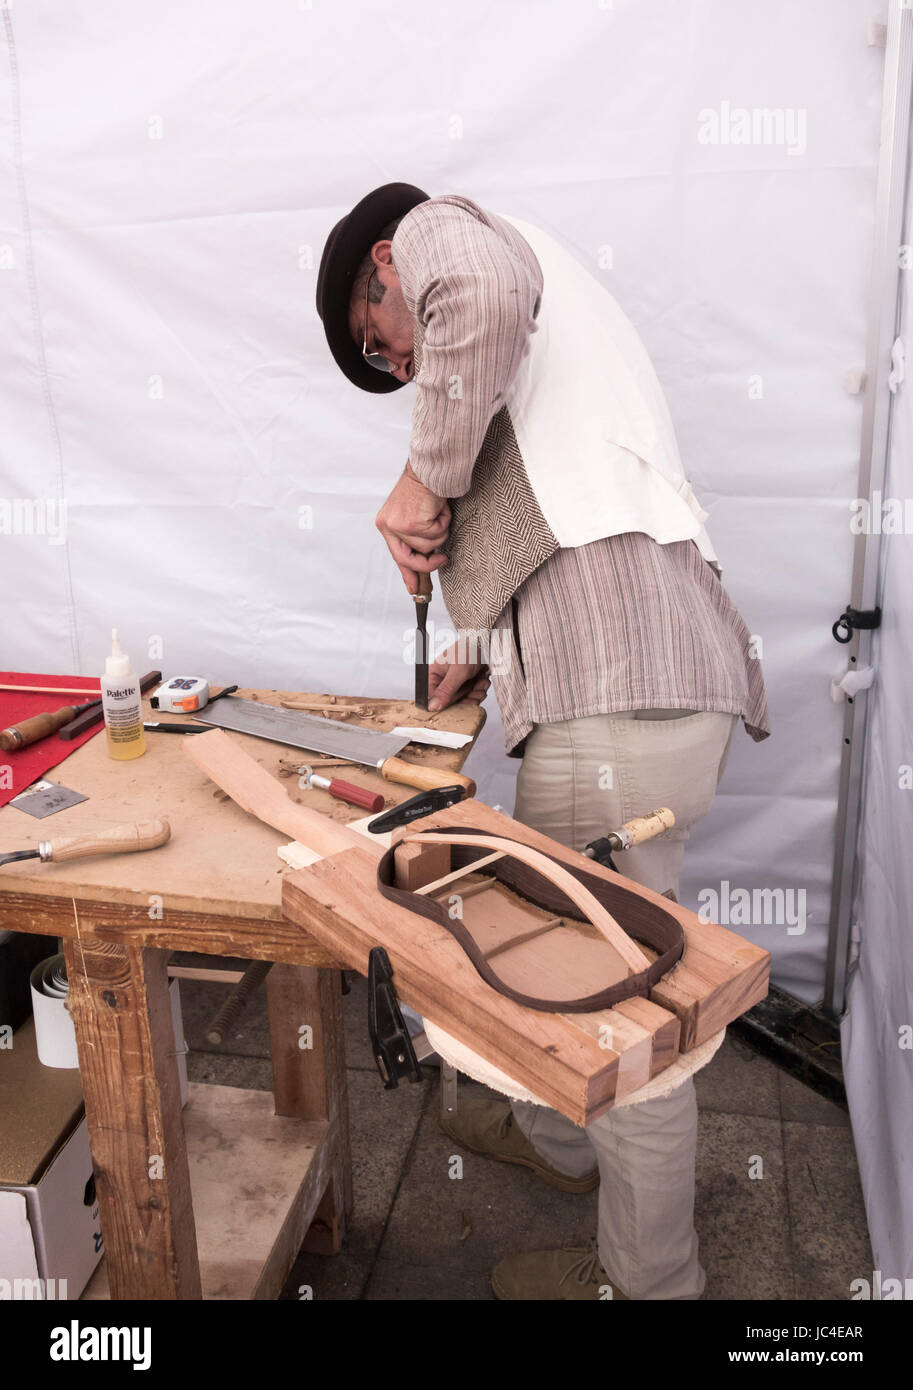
[349, 741]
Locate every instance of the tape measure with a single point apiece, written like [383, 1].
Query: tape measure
[181, 694]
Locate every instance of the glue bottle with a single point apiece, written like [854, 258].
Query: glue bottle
[121, 702]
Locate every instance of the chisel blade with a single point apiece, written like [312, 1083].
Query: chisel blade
[421, 656]
[421, 597]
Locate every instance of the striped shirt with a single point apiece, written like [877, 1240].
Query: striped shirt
[625, 624]
[620, 624]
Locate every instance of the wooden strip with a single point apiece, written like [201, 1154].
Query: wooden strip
[262, 795]
[440, 883]
[580, 896]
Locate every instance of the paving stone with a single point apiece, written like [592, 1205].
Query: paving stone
[827, 1214]
[800, 1102]
[738, 1081]
[494, 1209]
[248, 1073]
[742, 1222]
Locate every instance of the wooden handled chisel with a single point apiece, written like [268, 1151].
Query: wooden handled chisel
[117, 839]
[29, 731]
[421, 598]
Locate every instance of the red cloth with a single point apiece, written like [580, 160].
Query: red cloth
[28, 764]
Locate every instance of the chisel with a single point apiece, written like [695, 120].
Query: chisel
[29, 731]
[117, 839]
[421, 598]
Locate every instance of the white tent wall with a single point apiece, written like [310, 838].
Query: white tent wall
[170, 174]
[877, 1034]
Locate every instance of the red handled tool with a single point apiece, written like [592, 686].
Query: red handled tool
[345, 791]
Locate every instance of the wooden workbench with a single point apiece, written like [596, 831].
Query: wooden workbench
[214, 889]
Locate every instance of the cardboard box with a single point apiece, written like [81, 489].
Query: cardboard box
[49, 1225]
[50, 1234]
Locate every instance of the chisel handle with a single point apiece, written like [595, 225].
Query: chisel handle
[424, 778]
[424, 590]
[39, 726]
[119, 839]
[355, 796]
[347, 791]
[643, 828]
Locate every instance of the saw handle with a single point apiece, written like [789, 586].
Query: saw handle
[119, 839]
[424, 778]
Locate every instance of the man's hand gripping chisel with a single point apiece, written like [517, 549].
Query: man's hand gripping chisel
[421, 598]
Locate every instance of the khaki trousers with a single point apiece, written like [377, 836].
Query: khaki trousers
[580, 778]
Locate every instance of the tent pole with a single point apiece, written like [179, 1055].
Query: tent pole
[885, 304]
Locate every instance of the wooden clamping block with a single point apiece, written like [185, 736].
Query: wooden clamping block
[417, 865]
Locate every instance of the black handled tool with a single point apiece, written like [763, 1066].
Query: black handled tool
[156, 726]
[424, 804]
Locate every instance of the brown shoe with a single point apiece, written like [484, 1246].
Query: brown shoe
[487, 1127]
[572, 1273]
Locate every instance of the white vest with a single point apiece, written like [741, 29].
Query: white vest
[590, 417]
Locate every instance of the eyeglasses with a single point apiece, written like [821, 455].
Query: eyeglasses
[374, 359]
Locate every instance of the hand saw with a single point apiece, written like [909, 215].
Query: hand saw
[352, 742]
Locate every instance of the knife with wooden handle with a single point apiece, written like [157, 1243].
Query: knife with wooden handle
[117, 839]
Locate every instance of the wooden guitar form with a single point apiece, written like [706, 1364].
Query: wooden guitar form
[552, 921]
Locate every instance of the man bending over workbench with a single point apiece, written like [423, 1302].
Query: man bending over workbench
[544, 484]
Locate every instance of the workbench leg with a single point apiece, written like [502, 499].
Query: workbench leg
[307, 1043]
[121, 1009]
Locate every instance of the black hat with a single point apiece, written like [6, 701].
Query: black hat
[347, 245]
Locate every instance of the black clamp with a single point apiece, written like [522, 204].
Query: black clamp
[601, 851]
[851, 619]
[390, 1040]
[422, 804]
